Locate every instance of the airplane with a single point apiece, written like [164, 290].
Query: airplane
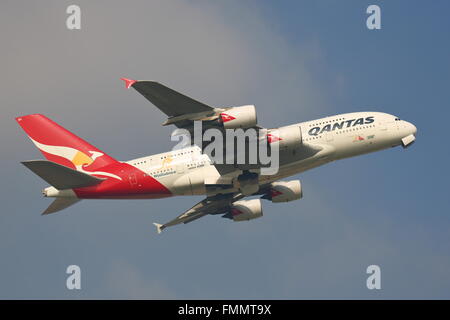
[77, 170]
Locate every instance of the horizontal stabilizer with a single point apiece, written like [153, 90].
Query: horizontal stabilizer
[59, 204]
[59, 176]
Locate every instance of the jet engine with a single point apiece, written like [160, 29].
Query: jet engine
[244, 210]
[239, 117]
[284, 191]
[287, 137]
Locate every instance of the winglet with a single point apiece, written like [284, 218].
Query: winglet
[128, 82]
[159, 227]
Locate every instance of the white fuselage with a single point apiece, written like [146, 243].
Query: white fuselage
[186, 171]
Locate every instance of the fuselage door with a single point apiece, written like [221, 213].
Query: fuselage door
[180, 168]
[133, 180]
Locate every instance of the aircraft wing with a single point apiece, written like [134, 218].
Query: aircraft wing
[175, 105]
[212, 205]
[180, 109]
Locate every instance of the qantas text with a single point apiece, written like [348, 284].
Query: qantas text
[339, 125]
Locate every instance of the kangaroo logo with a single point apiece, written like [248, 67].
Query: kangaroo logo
[78, 158]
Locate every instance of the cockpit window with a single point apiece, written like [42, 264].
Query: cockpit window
[397, 119]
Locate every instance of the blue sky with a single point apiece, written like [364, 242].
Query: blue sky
[296, 61]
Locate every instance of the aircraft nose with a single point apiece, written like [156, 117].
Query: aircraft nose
[411, 128]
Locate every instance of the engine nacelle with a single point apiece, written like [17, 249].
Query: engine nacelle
[286, 137]
[239, 117]
[284, 191]
[244, 210]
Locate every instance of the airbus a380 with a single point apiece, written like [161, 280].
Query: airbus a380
[77, 170]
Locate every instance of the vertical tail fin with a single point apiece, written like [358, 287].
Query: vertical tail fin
[60, 145]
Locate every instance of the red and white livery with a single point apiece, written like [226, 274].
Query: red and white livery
[77, 170]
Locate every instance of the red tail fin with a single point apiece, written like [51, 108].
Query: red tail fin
[61, 146]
